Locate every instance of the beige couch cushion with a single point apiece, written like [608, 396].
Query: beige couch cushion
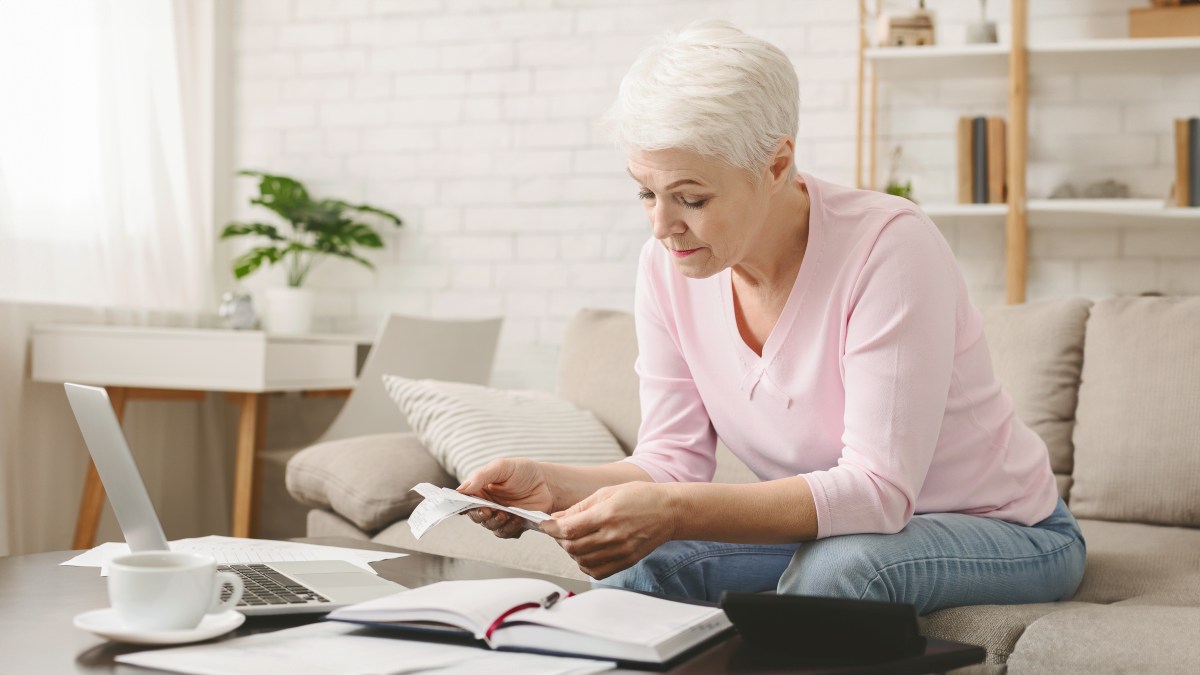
[996, 628]
[595, 371]
[1111, 639]
[322, 523]
[1137, 429]
[458, 537]
[1129, 560]
[366, 479]
[1037, 353]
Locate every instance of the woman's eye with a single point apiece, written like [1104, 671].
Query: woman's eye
[698, 204]
[645, 194]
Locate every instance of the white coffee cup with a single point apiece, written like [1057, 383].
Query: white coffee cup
[168, 590]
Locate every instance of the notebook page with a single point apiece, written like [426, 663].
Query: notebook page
[477, 602]
[622, 616]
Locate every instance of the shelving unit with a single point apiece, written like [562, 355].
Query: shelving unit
[920, 63]
[1111, 56]
[1014, 61]
[1071, 213]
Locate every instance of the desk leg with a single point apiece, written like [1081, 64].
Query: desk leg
[92, 502]
[243, 478]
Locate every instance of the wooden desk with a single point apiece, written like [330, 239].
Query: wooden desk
[184, 363]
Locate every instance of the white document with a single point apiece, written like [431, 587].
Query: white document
[330, 648]
[232, 550]
[442, 502]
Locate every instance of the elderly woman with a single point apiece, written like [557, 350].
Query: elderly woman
[825, 335]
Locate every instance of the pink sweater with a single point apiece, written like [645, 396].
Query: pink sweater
[875, 384]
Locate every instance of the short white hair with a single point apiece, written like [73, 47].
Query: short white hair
[711, 89]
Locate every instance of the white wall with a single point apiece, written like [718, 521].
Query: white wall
[474, 119]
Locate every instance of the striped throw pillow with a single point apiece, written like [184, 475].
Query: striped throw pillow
[465, 426]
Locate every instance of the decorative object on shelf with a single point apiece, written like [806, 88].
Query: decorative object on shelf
[1187, 162]
[1167, 18]
[982, 31]
[894, 186]
[982, 160]
[237, 311]
[1106, 189]
[916, 29]
[319, 229]
[901, 190]
[1065, 190]
[1103, 189]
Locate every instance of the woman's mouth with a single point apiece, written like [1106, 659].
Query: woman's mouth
[684, 253]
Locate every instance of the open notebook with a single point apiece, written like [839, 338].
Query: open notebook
[532, 615]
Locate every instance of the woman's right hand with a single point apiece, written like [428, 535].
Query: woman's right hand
[511, 482]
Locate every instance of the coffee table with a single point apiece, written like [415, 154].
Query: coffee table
[39, 599]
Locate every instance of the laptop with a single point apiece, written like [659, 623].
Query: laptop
[293, 587]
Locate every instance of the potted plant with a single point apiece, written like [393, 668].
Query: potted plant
[319, 229]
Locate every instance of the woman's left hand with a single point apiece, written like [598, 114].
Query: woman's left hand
[615, 527]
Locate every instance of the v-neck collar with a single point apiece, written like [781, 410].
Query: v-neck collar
[755, 367]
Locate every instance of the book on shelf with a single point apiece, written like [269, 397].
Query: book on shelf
[982, 160]
[997, 171]
[1187, 162]
[979, 162]
[965, 176]
[1193, 161]
[537, 616]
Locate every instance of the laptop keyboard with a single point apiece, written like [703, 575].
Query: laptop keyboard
[264, 586]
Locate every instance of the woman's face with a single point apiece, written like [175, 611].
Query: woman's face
[706, 212]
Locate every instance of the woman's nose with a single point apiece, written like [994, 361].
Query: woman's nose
[665, 221]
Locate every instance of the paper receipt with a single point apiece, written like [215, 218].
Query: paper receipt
[441, 503]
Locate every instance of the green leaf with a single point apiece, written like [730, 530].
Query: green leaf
[364, 235]
[251, 260]
[350, 256]
[363, 208]
[262, 229]
[282, 194]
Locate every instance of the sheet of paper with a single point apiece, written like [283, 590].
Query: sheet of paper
[441, 502]
[330, 648]
[235, 550]
[431, 512]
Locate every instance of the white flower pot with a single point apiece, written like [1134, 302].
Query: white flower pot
[289, 311]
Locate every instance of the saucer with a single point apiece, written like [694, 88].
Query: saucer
[106, 624]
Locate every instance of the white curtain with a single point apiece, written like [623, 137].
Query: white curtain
[102, 149]
[106, 216]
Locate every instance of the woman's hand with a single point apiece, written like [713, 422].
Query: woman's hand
[511, 482]
[615, 527]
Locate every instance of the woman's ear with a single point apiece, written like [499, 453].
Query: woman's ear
[781, 163]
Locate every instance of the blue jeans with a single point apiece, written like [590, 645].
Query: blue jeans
[938, 560]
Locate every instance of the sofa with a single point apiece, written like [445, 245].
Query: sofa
[1113, 387]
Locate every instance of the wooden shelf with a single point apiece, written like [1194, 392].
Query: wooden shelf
[1109, 212]
[938, 62]
[1118, 55]
[966, 214]
[1071, 213]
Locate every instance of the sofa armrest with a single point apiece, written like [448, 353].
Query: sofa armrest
[367, 479]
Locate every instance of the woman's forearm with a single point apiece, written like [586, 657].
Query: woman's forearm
[771, 512]
[572, 484]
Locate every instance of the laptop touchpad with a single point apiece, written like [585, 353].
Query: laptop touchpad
[343, 580]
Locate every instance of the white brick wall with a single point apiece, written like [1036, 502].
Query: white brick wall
[474, 120]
